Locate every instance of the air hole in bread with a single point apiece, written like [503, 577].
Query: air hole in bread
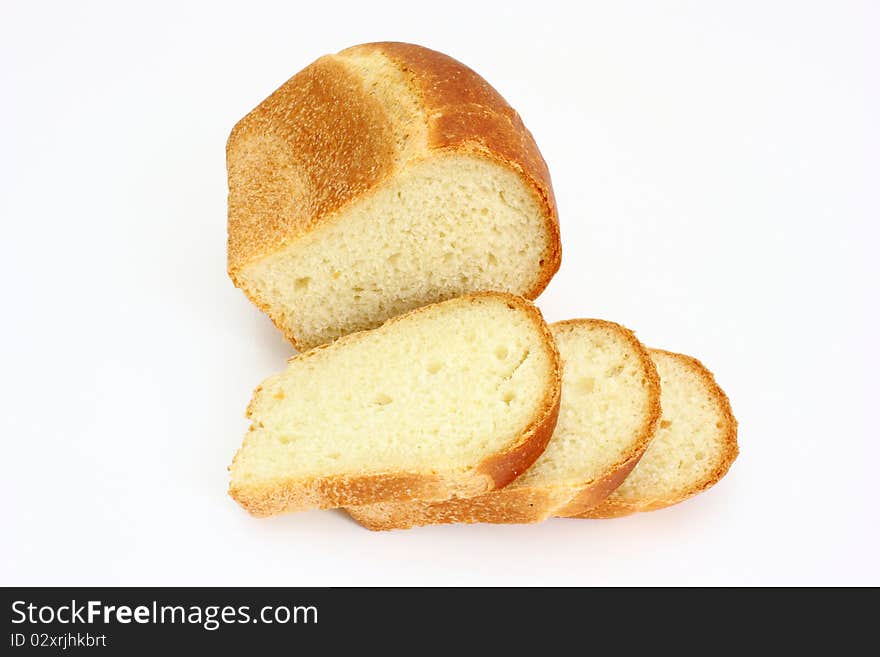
[279, 394]
[501, 352]
[508, 396]
[434, 366]
[302, 284]
[382, 399]
[439, 233]
[694, 441]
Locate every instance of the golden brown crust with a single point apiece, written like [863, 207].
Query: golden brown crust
[265, 500]
[298, 141]
[528, 503]
[279, 496]
[599, 489]
[465, 113]
[505, 467]
[508, 506]
[596, 491]
[615, 507]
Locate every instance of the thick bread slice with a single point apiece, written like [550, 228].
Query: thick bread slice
[380, 179]
[694, 447]
[456, 398]
[609, 411]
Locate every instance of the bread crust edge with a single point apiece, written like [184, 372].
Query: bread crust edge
[528, 504]
[612, 508]
[505, 142]
[495, 471]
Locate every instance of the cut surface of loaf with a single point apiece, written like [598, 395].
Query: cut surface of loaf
[456, 398]
[694, 447]
[380, 179]
[609, 410]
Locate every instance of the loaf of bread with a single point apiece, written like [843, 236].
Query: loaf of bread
[380, 179]
[452, 399]
[694, 447]
[609, 411]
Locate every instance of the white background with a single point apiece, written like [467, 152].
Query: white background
[717, 170]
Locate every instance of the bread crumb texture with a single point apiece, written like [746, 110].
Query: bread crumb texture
[609, 409]
[610, 399]
[694, 446]
[357, 192]
[434, 393]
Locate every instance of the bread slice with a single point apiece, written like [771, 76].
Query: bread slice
[456, 398]
[609, 411]
[380, 179]
[694, 447]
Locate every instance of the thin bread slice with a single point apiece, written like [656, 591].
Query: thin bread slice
[694, 447]
[380, 179]
[609, 411]
[456, 398]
